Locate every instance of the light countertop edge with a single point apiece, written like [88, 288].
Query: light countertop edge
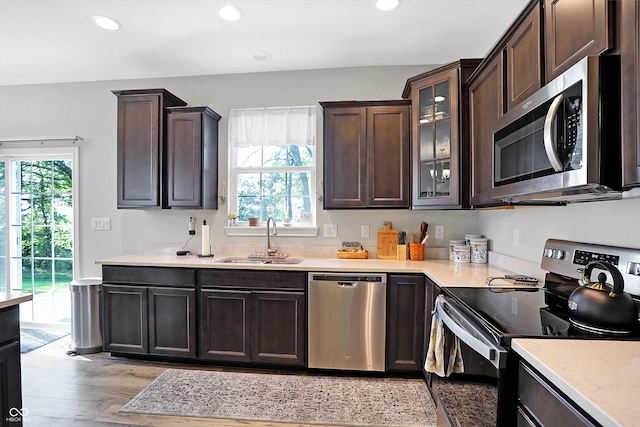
[8, 299]
[600, 376]
[441, 272]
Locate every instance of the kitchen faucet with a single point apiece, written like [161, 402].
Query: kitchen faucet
[271, 251]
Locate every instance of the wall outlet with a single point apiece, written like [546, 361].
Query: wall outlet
[365, 231]
[102, 224]
[516, 236]
[330, 230]
[439, 231]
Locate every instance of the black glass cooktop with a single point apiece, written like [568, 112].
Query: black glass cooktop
[510, 311]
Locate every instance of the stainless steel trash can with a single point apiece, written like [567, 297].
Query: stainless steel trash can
[86, 315]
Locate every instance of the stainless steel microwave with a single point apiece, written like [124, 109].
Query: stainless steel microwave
[563, 143]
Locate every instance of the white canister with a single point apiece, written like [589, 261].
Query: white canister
[468, 237]
[478, 251]
[461, 253]
[453, 243]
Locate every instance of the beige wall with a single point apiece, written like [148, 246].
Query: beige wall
[89, 110]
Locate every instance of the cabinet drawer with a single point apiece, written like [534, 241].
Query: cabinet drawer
[9, 324]
[254, 279]
[545, 404]
[149, 275]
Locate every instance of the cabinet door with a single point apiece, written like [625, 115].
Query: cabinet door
[574, 29]
[184, 160]
[10, 384]
[436, 148]
[485, 103]
[172, 322]
[126, 327]
[139, 151]
[523, 69]
[278, 328]
[388, 156]
[225, 325]
[630, 62]
[405, 322]
[345, 157]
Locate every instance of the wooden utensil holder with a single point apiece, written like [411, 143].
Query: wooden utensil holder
[402, 253]
[416, 252]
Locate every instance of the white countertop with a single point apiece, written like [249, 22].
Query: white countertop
[7, 299]
[442, 272]
[600, 376]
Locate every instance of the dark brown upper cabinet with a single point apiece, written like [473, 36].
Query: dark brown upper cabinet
[486, 106]
[574, 29]
[440, 128]
[523, 59]
[630, 63]
[192, 158]
[142, 140]
[366, 154]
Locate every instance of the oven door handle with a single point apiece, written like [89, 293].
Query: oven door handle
[548, 137]
[469, 333]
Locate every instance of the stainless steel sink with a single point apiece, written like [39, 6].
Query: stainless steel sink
[246, 260]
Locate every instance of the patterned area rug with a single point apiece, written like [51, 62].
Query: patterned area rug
[30, 339]
[287, 398]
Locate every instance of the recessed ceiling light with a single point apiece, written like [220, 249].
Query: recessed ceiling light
[261, 56]
[386, 5]
[106, 22]
[230, 13]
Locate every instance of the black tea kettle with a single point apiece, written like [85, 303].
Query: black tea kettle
[600, 307]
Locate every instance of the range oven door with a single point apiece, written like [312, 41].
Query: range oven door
[475, 398]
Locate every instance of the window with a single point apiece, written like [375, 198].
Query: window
[37, 229]
[272, 164]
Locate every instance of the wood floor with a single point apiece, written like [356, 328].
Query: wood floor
[89, 390]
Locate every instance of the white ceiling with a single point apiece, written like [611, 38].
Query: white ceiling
[52, 41]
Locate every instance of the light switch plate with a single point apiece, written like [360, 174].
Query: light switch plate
[102, 224]
[330, 230]
[439, 231]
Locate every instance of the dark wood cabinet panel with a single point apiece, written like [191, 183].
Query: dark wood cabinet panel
[10, 374]
[630, 64]
[278, 328]
[192, 158]
[522, 58]
[225, 325]
[126, 325]
[153, 276]
[243, 279]
[172, 322]
[486, 106]
[574, 29]
[539, 400]
[388, 156]
[141, 142]
[366, 154]
[405, 322]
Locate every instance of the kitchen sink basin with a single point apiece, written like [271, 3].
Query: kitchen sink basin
[246, 260]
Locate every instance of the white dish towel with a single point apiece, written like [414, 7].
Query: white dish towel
[444, 356]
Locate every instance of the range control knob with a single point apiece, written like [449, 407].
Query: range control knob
[558, 254]
[548, 253]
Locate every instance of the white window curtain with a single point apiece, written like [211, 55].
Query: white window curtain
[272, 126]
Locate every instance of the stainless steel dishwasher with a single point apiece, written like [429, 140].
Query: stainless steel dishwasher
[347, 318]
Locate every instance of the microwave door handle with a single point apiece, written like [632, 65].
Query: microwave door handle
[549, 140]
[471, 336]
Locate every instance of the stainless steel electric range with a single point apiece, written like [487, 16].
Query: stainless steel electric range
[487, 319]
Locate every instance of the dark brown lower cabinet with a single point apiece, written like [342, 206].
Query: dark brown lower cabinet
[253, 326]
[172, 322]
[540, 404]
[405, 322]
[10, 378]
[126, 324]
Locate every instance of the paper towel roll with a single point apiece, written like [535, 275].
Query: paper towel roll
[206, 248]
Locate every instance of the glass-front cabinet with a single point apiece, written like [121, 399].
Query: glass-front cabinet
[439, 177]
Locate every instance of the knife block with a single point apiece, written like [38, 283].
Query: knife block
[401, 253]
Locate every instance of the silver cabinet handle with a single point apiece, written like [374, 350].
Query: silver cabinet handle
[549, 140]
[347, 284]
